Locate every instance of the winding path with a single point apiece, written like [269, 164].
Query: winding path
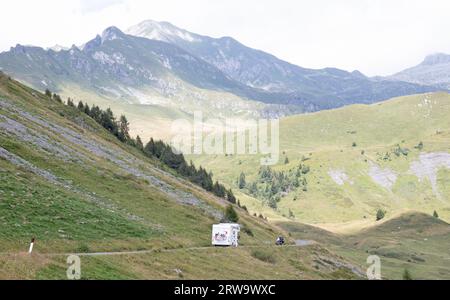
[298, 243]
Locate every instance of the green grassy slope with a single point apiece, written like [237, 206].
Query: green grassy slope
[74, 187]
[413, 241]
[352, 154]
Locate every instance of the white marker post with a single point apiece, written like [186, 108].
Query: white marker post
[31, 246]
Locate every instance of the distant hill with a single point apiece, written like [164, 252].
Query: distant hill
[409, 225]
[411, 240]
[433, 71]
[392, 155]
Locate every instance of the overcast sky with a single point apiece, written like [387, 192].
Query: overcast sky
[377, 37]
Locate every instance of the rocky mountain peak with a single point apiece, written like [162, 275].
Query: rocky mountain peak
[111, 33]
[162, 31]
[436, 59]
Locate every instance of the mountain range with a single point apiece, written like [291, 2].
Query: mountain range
[327, 88]
[157, 63]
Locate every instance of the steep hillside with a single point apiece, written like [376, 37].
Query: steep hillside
[77, 189]
[325, 88]
[413, 241]
[353, 161]
[434, 71]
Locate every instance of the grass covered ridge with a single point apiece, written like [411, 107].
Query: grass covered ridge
[361, 158]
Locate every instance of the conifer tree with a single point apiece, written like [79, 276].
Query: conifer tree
[81, 106]
[242, 183]
[139, 143]
[231, 215]
[150, 148]
[57, 98]
[70, 103]
[230, 196]
[87, 110]
[124, 129]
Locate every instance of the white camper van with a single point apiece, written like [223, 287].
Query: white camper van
[226, 235]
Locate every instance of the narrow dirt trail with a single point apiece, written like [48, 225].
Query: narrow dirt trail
[298, 244]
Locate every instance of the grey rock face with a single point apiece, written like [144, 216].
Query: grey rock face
[434, 71]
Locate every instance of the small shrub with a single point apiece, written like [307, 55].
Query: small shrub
[419, 146]
[406, 275]
[291, 214]
[273, 203]
[247, 231]
[306, 169]
[380, 214]
[401, 151]
[83, 248]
